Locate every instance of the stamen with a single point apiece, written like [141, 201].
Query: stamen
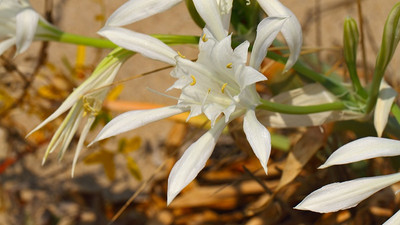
[194, 80]
[182, 56]
[209, 90]
[223, 88]
[229, 66]
[204, 38]
[91, 105]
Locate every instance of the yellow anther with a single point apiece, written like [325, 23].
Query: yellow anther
[194, 80]
[204, 38]
[209, 90]
[182, 56]
[223, 88]
[229, 66]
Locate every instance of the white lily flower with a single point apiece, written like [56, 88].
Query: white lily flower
[85, 100]
[216, 14]
[384, 103]
[344, 195]
[19, 25]
[219, 85]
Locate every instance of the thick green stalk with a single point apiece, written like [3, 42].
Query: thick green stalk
[335, 87]
[390, 40]
[291, 109]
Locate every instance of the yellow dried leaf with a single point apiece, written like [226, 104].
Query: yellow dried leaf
[129, 145]
[302, 152]
[50, 93]
[133, 168]
[104, 157]
[115, 92]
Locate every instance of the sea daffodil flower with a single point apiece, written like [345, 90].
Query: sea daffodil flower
[20, 24]
[344, 195]
[85, 100]
[219, 85]
[216, 14]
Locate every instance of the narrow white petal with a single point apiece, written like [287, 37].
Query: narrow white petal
[344, 195]
[225, 10]
[247, 75]
[134, 119]
[394, 220]
[291, 30]
[209, 11]
[193, 160]
[363, 148]
[384, 103]
[141, 43]
[26, 23]
[6, 44]
[81, 141]
[135, 10]
[258, 136]
[267, 30]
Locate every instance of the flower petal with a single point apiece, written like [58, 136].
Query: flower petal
[209, 11]
[225, 10]
[26, 23]
[344, 195]
[291, 30]
[258, 137]
[394, 220]
[141, 43]
[384, 103]
[134, 119]
[193, 160]
[267, 30]
[135, 10]
[361, 149]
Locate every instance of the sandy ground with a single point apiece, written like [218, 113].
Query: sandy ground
[50, 183]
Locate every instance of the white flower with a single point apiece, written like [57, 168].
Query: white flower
[85, 100]
[219, 84]
[339, 196]
[216, 14]
[19, 25]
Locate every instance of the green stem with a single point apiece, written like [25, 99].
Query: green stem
[64, 37]
[292, 109]
[355, 81]
[374, 90]
[335, 87]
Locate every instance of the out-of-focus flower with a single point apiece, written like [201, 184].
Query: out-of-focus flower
[219, 84]
[344, 195]
[85, 100]
[20, 25]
